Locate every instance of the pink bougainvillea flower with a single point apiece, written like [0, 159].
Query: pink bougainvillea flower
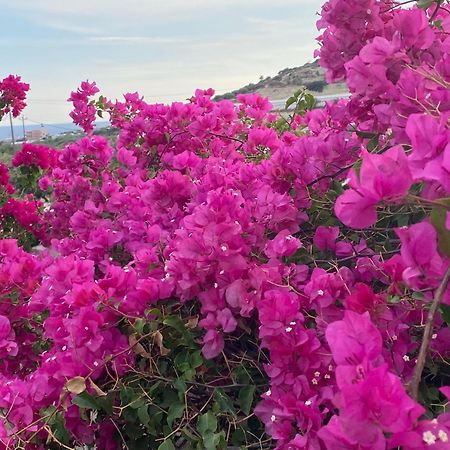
[325, 237]
[7, 345]
[284, 244]
[382, 177]
[12, 95]
[376, 404]
[354, 340]
[84, 112]
[420, 255]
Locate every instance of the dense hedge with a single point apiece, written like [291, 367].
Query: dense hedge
[224, 276]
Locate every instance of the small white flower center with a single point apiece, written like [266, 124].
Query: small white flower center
[429, 438]
[443, 436]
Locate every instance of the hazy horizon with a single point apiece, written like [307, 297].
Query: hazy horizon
[163, 50]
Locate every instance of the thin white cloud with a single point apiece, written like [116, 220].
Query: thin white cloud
[266, 22]
[138, 39]
[69, 27]
[105, 41]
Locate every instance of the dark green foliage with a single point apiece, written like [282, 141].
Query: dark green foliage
[175, 399]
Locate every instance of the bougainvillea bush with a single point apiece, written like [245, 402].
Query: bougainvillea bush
[226, 277]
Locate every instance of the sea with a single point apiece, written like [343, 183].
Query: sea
[55, 129]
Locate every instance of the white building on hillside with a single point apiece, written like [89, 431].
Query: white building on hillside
[36, 135]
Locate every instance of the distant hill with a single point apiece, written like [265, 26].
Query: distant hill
[310, 76]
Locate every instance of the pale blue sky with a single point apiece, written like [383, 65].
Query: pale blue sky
[163, 49]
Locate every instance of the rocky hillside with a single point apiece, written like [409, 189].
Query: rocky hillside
[311, 76]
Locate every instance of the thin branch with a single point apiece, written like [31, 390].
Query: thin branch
[397, 5]
[332, 175]
[52, 436]
[424, 347]
[438, 6]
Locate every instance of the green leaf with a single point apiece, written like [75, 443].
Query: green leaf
[154, 311]
[372, 144]
[418, 296]
[174, 322]
[156, 417]
[402, 220]
[189, 435]
[167, 445]
[188, 375]
[181, 387]
[154, 386]
[241, 375]
[196, 359]
[246, 398]
[366, 134]
[138, 403]
[181, 361]
[60, 430]
[238, 436]
[337, 187]
[207, 423]
[224, 401]
[210, 441]
[437, 218]
[394, 299]
[170, 397]
[301, 106]
[445, 311]
[127, 395]
[290, 101]
[143, 415]
[175, 412]
[424, 4]
[85, 400]
[139, 325]
[106, 403]
[310, 101]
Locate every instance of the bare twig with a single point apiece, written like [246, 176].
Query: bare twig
[438, 6]
[332, 175]
[424, 346]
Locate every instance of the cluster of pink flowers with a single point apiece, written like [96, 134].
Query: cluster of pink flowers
[5, 185]
[209, 202]
[19, 212]
[26, 212]
[65, 290]
[84, 112]
[372, 401]
[12, 95]
[40, 156]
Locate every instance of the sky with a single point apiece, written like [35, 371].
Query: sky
[164, 49]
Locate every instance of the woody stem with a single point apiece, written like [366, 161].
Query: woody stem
[424, 346]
